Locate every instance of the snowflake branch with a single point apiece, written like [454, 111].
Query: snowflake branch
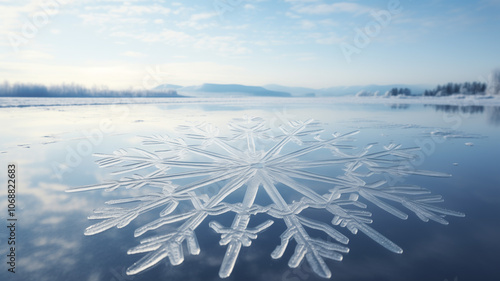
[306, 150]
[184, 147]
[310, 176]
[277, 148]
[238, 234]
[141, 181]
[306, 246]
[171, 246]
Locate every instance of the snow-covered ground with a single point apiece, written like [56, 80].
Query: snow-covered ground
[458, 100]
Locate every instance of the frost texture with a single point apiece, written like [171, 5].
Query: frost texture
[297, 159]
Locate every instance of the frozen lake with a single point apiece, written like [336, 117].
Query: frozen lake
[53, 142]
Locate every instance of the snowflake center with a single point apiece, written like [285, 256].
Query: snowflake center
[258, 165]
[256, 161]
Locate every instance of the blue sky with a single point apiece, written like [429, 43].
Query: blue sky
[309, 43]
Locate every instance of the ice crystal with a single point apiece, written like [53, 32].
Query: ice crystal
[255, 158]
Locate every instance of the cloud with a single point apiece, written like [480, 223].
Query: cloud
[292, 15]
[224, 45]
[130, 10]
[301, 1]
[112, 74]
[133, 54]
[191, 73]
[112, 17]
[202, 16]
[340, 7]
[304, 56]
[484, 4]
[236, 27]
[167, 36]
[329, 22]
[15, 15]
[198, 21]
[195, 24]
[329, 38]
[121, 75]
[33, 55]
[106, 21]
[307, 24]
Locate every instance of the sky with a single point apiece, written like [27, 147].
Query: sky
[302, 43]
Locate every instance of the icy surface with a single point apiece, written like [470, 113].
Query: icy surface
[326, 171]
[451, 100]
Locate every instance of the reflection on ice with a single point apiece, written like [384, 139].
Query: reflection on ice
[452, 134]
[493, 113]
[285, 174]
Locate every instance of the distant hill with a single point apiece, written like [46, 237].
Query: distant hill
[295, 91]
[210, 89]
[345, 90]
[204, 90]
[274, 90]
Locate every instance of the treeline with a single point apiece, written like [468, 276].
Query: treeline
[458, 88]
[399, 92]
[73, 90]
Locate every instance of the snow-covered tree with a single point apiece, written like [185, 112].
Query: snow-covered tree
[494, 83]
[364, 93]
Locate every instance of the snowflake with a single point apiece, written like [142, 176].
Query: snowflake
[297, 158]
